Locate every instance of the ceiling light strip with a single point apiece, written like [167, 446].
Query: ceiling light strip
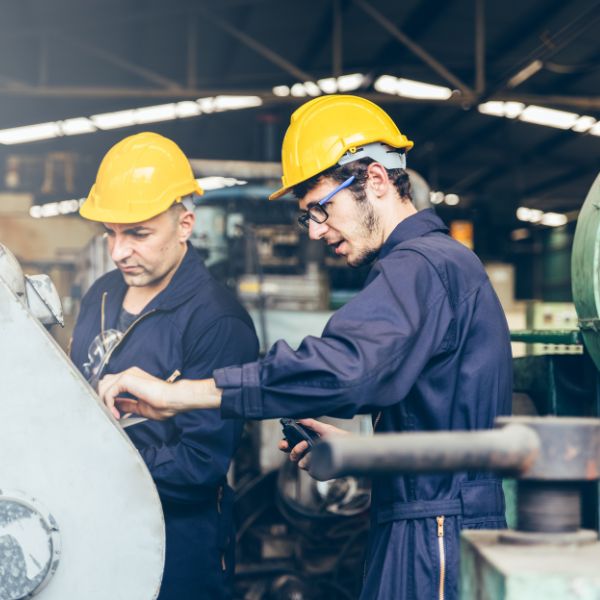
[126, 118]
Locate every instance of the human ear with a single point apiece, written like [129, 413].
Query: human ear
[185, 226]
[378, 178]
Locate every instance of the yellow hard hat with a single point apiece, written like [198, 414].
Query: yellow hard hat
[139, 178]
[324, 129]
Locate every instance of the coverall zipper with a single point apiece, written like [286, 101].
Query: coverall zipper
[124, 336]
[442, 552]
[220, 493]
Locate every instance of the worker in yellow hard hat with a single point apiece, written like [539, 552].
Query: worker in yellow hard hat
[423, 347]
[161, 310]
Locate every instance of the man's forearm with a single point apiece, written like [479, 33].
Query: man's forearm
[190, 395]
[154, 398]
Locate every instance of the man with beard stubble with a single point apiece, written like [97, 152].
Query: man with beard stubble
[162, 311]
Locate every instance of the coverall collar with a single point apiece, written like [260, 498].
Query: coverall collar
[417, 225]
[185, 283]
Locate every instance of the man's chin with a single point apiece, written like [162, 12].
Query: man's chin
[135, 280]
[364, 259]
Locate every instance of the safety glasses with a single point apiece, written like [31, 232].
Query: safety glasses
[317, 212]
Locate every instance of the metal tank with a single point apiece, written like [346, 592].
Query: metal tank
[80, 516]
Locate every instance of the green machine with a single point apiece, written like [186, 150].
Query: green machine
[567, 384]
[564, 385]
[549, 555]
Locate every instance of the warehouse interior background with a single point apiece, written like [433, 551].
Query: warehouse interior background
[502, 100]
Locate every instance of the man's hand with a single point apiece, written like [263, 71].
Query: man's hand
[323, 429]
[155, 398]
[153, 395]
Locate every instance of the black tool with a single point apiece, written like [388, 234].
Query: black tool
[294, 433]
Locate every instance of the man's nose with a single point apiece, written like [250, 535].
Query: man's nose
[120, 248]
[317, 230]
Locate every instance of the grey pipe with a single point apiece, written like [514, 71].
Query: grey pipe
[510, 449]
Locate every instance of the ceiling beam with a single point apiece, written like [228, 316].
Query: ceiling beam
[255, 45]
[555, 42]
[479, 47]
[192, 52]
[519, 35]
[226, 56]
[337, 42]
[418, 22]
[322, 33]
[126, 65]
[415, 48]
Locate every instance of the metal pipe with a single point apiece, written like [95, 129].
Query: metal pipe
[510, 449]
[244, 169]
[479, 46]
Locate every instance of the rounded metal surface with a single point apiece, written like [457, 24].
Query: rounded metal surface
[529, 538]
[511, 449]
[569, 448]
[548, 506]
[29, 546]
[585, 271]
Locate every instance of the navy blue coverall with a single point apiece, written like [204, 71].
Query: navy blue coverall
[195, 325]
[426, 344]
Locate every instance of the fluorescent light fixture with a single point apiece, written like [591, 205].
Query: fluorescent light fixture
[451, 199]
[155, 114]
[530, 215]
[53, 209]
[312, 89]
[408, 88]
[328, 85]
[187, 108]
[583, 124]
[126, 118]
[549, 117]
[497, 108]
[493, 107]
[223, 103]
[215, 183]
[513, 109]
[121, 118]
[298, 90]
[76, 126]
[351, 82]
[595, 130]
[436, 197]
[552, 219]
[281, 90]
[424, 91]
[207, 105]
[386, 84]
[29, 133]
[525, 73]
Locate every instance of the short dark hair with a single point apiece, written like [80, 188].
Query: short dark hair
[358, 169]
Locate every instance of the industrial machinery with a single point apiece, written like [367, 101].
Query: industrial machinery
[79, 514]
[566, 383]
[548, 555]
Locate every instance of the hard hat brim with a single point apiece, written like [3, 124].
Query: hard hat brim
[90, 211]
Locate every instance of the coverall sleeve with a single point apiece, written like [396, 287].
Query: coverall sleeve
[199, 453]
[368, 357]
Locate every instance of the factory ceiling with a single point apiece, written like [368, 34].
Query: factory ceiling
[477, 133]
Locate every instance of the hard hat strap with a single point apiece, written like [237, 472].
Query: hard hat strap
[390, 158]
[188, 202]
